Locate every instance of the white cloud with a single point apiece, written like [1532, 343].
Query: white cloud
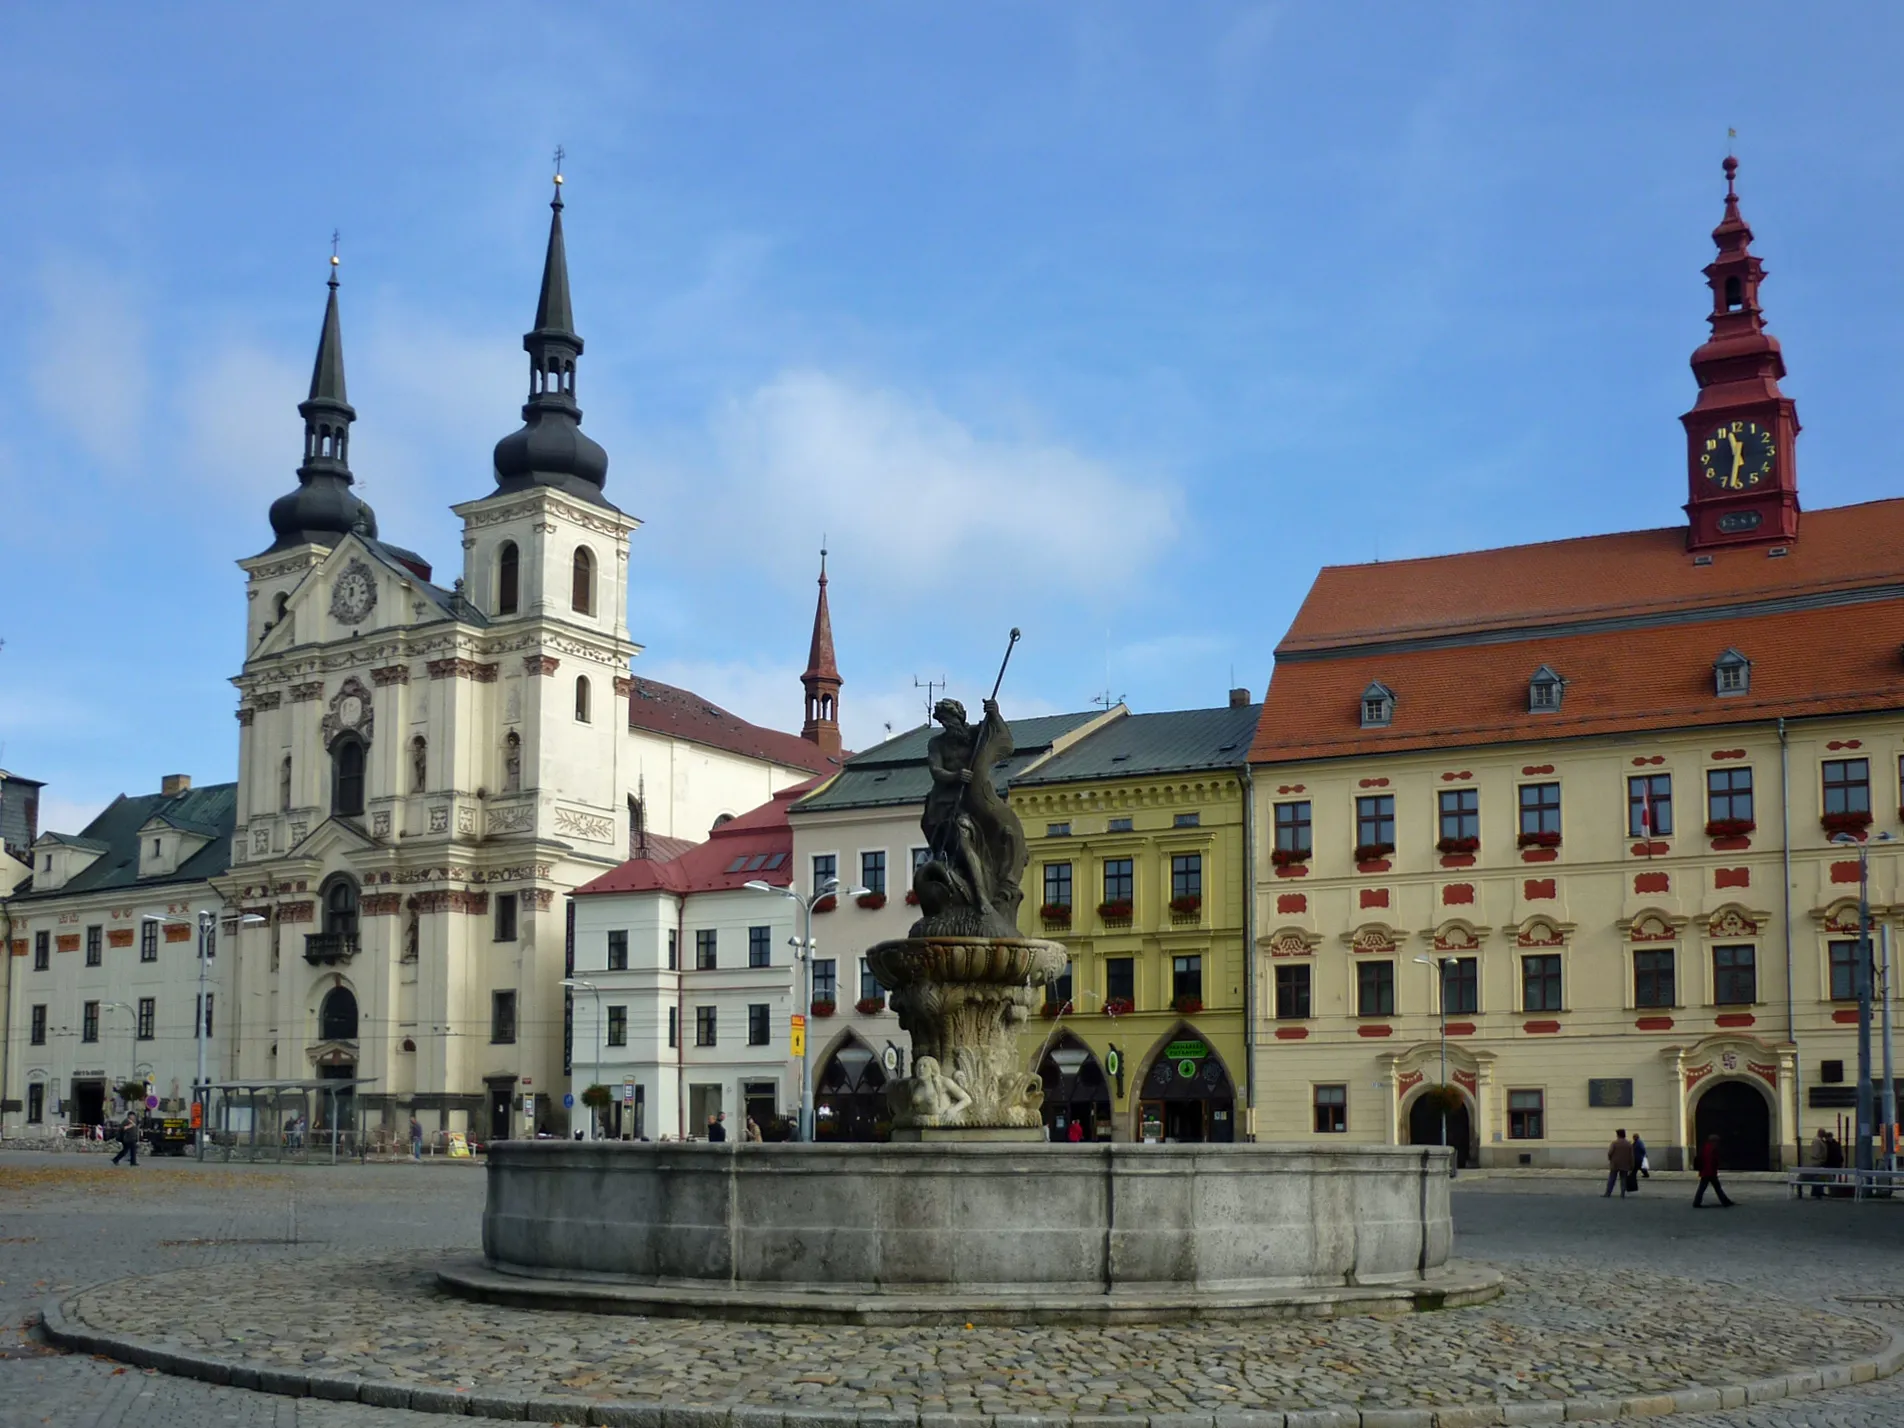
[89, 361]
[245, 430]
[64, 815]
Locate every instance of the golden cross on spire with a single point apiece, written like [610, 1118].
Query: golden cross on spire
[560, 155]
[334, 258]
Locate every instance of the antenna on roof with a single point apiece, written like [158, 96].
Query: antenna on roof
[929, 685]
[1107, 701]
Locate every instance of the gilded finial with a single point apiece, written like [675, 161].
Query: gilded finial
[334, 258]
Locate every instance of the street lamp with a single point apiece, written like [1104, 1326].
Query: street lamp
[804, 949]
[1442, 964]
[580, 984]
[207, 920]
[1862, 1158]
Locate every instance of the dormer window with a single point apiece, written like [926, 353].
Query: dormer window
[1731, 674]
[1378, 706]
[1544, 691]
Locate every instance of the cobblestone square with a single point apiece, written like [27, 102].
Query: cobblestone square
[327, 1270]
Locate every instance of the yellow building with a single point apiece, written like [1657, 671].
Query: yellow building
[1138, 836]
[1583, 794]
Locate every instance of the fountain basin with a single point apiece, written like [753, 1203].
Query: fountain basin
[912, 1233]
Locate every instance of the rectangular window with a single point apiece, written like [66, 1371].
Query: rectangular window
[148, 1018]
[1187, 820]
[1292, 827]
[869, 988]
[826, 986]
[760, 947]
[1844, 970]
[37, 1034]
[148, 941]
[1649, 805]
[872, 871]
[505, 917]
[674, 949]
[1186, 979]
[1058, 885]
[1120, 979]
[1057, 830]
[706, 1031]
[1186, 876]
[1729, 795]
[1375, 824]
[89, 1022]
[1735, 977]
[1526, 1115]
[1118, 825]
[1540, 982]
[758, 1026]
[43, 949]
[1847, 787]
[502, 1018]
[707, 949]
[1461, 985]
[1374, 988]
[1058, 989]
[920, 857]
[1653, 984]
[618, 951]
[1332, 1110]
[1119, 880]
[36, 1103]
[618, 1026]
[674, 1026]
[95, 946]
[1461, 815]
[1292, 991]
[205, 1010]
[1540, 811]
[826, 869]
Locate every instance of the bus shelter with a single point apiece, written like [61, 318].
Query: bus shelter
[297, 1121]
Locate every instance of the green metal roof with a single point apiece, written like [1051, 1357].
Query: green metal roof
[894, 774]
[1185, 741]
[213, 807]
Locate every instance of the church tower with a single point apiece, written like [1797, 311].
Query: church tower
[822, 679]
[1741, 465]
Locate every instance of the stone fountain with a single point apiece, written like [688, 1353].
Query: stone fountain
[969, 1216]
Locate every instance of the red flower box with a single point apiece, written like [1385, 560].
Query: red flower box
[1370, 852]
[1119, 911]
[821, 1009]
[1059, 912]
[1730, 827]
[869, 1006]
[871, 901]
[826, 904]
[1845, 822]
[1458, 845]
[912, 898]
[1186, 906]
[1540, 840]
[1119, 1006]
[1284, 857]
[1187, 1006]
[1051, 1010]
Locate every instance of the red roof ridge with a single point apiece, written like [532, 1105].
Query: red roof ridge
[681, 713]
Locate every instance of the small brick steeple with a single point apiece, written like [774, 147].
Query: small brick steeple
[822, 679]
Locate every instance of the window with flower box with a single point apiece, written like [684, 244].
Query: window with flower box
[1058, 991]
[1120, 982]
[1374, 826]
[1540, 815]
[1460, 820]
[1292, 834]
[1729, 802]
[825, 982]
[1186, 984]
[872, 872]
[1120, 883]
[1186, 884]
[1847, 794]
[1057, 904]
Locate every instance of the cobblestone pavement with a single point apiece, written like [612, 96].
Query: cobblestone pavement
[1603, 1290]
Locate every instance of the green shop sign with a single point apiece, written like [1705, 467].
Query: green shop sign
[1186, 1051]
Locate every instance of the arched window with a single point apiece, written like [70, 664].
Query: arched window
[340, 906]
[337, 1016]
[581, 699]
[1734, 295]
[507, 578]
[347, 776]
[419, 764]
[278, 604]
[512, 764]
[582, 596]
[284, 785]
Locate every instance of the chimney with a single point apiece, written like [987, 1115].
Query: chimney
[1239, 698]
[173, 784]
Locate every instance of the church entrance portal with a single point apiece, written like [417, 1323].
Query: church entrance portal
[1740, 1117]
[1187, 1095]
[1424, 1127]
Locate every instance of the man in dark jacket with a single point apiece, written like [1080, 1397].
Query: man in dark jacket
[128, 1141]
[716, 1130]
[1619, 1159]
[1708, 1161]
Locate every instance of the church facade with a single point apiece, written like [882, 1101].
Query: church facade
[425, 772]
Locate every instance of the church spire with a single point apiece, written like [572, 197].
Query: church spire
[822, 678]
[323, 509]
[551, 448]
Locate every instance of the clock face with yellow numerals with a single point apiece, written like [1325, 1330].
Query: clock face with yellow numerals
[1738, 456]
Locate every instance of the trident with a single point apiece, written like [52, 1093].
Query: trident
[1007, 660]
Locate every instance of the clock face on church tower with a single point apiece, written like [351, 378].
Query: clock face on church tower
[1737, 456]
[354, 594]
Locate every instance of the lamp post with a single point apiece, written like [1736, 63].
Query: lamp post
[1441, 964]
[804, 949]
[1862, 1158]
[580, 984]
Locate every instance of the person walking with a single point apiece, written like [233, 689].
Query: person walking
[716, 1128]
[128, 1141]
[416, 1137]
[754, 1137]
[1820, 1155]
[1619, 1159]
[1834, 1160]
[1708, 1161]
[1641, 1162]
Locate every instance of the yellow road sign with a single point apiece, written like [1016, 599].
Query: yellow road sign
[797, 1041]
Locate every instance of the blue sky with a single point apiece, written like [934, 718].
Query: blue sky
[1110, 321]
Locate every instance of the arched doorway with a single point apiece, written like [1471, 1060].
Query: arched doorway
[337, 1015]
[1424, 1126]
[1076, 1093]
[1742, 1119]
[1186, 1095]
[849, 1101]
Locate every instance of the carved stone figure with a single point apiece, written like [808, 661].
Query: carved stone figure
[935, 1096]
[969, 885]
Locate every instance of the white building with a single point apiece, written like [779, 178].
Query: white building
[105, 974]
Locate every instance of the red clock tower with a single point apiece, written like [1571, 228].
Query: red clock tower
[1741, 434]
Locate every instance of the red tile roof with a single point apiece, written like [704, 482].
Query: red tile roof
[683, 714]
[735, 853]
[1628, 622]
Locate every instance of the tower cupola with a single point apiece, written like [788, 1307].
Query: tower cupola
[551, 449]
[323, 509]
